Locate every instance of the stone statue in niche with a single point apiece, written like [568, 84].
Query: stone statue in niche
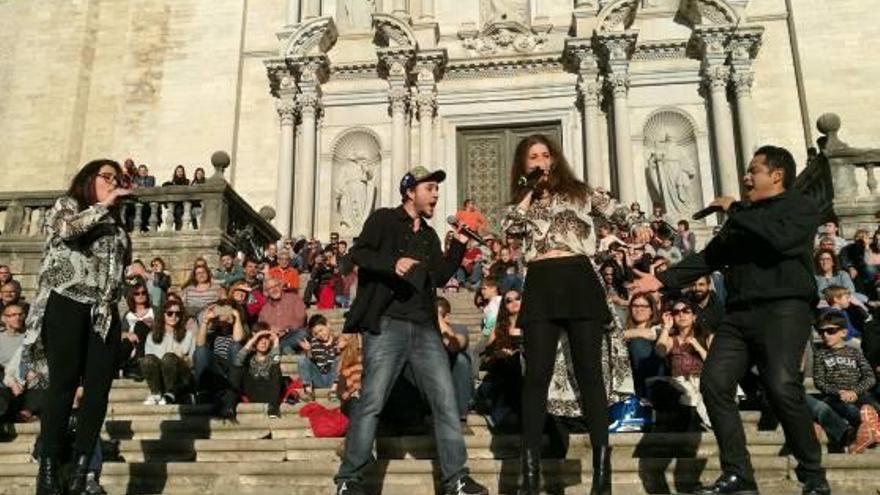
[354, 194]
[355, 15]
[672, 177]
[504, 10]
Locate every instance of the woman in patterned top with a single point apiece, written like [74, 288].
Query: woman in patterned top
[552, 211]
[80, 283]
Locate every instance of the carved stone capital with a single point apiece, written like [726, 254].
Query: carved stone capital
[398, 97]
[618, 83]
[618, 46]
[426, 101]
[745, 43]
[715, 77]
[712, 42]
[287, 107]
[589, 87]
[742, 81]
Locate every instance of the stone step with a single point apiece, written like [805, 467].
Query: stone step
[417, 477]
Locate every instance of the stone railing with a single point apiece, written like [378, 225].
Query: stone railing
[842, 180]
[177, 223]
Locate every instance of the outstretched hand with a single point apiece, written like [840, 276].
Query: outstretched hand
[644, 282]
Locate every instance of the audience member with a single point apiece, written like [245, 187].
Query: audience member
[830, 230]
[470, 216]
[828, 272]
[143, 178]
[455, 340]
[168, 356]
[708, 306]
[158, 282]
[685, 240]
[844, 378]
[318, 366]
[283, 271]
[499, 393]
[285, 313]
[640, 334]
[200, 290]
[229, 270]
[256, 371]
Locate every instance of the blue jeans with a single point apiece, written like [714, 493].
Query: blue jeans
[384, 356]
[834, 425]
[462, 381]
[289, 344]
[311, 375]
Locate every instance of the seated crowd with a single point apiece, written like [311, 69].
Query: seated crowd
[219, 337]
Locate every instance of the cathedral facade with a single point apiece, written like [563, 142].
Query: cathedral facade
[324, 104]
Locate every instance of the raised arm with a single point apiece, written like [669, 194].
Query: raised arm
[68, 223]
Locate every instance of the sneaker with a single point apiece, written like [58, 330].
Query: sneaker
[869, 415]
[168, 398]
[152, 400]
[273, 410]
[333, 397]
[864, 438]
[466, 486]
[350, 488]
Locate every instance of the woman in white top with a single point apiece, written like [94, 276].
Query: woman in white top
[168, 356]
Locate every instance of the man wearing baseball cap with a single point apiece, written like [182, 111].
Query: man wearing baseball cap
[400, 266]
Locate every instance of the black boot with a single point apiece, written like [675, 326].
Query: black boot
[77, 484]
[49, 477]
[531, 471]
[601, 471]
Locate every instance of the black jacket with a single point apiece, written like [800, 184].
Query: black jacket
[376, 251]
[764, 251]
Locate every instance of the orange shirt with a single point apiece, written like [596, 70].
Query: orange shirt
[473, 219]
[288, 275]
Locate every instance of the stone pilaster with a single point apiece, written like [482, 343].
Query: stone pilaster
[309, 101]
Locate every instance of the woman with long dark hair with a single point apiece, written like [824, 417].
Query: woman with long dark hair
[73, 330]
[551, 210]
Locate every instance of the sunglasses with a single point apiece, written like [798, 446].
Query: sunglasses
[682, 311]
[509, 300]
[140, 293]
[829, 330]
[172, 313]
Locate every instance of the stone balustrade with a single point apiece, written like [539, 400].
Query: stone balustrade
[177, 223]
[841, 179]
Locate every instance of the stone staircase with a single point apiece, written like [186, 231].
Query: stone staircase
[178, 449]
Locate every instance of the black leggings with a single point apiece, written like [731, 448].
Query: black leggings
[76, 355]
[541, 342]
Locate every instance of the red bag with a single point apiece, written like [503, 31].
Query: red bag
[325, 422]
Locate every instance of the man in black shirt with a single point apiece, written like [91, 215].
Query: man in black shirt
[400, 266]
[764, 250]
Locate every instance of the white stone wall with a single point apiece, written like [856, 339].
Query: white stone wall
[169, 82]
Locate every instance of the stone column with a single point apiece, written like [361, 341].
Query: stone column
[744, 47]
[427, 66]
[311, 9]
[427, 10]
[394, 65]
[589, 86]
[293, 7]
[398, 8]
[619, 47]
[309, 101]
[715, 77]
[287, 112]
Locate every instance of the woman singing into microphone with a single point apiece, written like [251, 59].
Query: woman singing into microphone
[550, 209]
[73, 327]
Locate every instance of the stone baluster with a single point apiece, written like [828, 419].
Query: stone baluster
[619, 47]
[186, 220]
[138, 217]
[153, 221]
[36, 221]
[26, 225]
[168, 217]
[872, 181]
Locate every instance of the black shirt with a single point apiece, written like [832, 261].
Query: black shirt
[764, 249]
[413, 297]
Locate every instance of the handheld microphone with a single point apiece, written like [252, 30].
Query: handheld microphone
[530, 179]
[705, 212]
[453, 221]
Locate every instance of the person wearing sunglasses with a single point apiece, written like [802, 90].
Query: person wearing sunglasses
[844, 378]
[168, 356]
[73, 330]
[685, 345]
[765, 251]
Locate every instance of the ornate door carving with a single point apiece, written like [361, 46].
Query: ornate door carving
[484, 158]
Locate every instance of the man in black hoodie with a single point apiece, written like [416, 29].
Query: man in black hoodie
[764, 251]
[400, 267]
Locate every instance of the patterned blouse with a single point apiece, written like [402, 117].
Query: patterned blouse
[84, 259]
[556, 223]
